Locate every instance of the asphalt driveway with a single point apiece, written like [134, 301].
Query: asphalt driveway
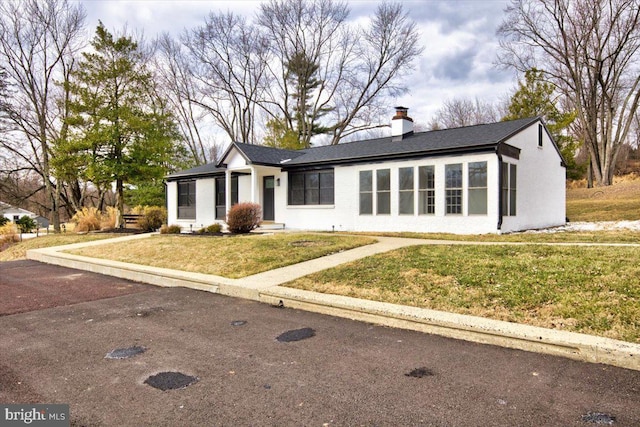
[347, 373]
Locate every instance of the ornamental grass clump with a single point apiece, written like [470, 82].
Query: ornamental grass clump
[244, 217]
[170, 229]
[211, 229]
[87, 219]
[8, 234]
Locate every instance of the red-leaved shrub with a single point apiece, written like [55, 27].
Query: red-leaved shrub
[244, 217]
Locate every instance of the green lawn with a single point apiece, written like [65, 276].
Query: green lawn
[233, 257]
[617, 202]
[19, 250]
[593, 290]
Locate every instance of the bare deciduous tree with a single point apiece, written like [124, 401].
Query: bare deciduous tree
[229, 67]
[38, 40]
[173, 75]
[357, 68]
[591, 50]
[464, 112]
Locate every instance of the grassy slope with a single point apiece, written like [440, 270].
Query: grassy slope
[232, 257]
[19, 250]
[620, 201]
[589, 290]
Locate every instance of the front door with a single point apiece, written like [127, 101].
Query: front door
[268, 210]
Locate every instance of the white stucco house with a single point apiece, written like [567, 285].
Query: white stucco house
[13, 214]
[492, 178]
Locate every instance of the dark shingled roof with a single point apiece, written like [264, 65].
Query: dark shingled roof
[199, 171]
[432, 142]
[457, 140]
[261, 155]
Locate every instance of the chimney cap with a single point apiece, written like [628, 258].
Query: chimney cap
[401, 113]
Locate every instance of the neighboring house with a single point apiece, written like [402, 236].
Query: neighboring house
[13, 214]
[492, 178]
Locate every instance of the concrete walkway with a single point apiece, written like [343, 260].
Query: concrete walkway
[266, 287]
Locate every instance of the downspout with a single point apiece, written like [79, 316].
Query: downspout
[500, 213]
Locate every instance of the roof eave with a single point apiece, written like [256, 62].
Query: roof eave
[385, 157]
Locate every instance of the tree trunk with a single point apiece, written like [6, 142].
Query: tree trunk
[119, 204]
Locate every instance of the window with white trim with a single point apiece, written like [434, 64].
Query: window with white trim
[383, 191]
[426, 190]
[366, 192]
[508, 189]
[405, 199]
[477, 193]
[187, 199]
[453, 189]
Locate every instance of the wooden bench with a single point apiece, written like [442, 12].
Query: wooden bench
[131, 220]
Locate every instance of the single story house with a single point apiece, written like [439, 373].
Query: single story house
[491, 178]
[13, 214]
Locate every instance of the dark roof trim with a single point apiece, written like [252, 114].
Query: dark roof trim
[191, 176]
[488, 148]
[508, 150]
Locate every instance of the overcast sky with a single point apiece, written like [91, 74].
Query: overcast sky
[459, 37]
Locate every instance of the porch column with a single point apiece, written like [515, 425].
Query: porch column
[254, 185]
[227, 190]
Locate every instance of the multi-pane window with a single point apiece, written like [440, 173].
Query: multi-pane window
[406, 191]
[221, 196]
[426, 190]
[512, 189]
[311, 188]
[383, 191]
[453, 188]
[477, 198]
[366, 192]
[508, 188]
[187, 200]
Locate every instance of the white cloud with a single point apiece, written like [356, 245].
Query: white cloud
[459, 38]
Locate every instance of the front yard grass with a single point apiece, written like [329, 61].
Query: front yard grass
[232, 257]
[593, 290]
[601, 236]
[19, 250]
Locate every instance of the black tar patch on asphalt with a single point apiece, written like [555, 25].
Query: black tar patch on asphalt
[170, 381]
[420, 373]
[296, 335]
[599, 418]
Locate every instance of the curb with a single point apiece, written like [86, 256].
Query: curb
[571, 345]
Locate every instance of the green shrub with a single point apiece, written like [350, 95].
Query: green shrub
[211, 229]
[244, 217]
[170, 229]
[154, 217]
[3, 220]
[26, 224]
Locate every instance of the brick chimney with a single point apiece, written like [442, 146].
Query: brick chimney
[401, 124]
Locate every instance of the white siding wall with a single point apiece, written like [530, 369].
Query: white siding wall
[540, 194]
[205, 205]
[344, 214]
[541, 198]
[172, 202]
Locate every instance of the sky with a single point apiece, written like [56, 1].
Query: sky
[459, 39]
